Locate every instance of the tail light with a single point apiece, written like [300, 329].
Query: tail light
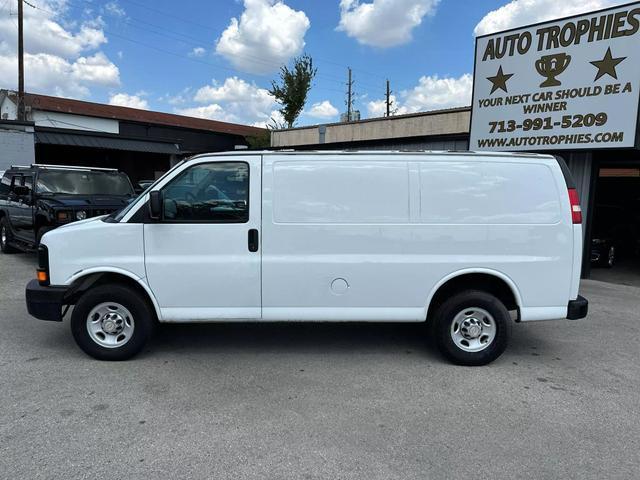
[576, 209]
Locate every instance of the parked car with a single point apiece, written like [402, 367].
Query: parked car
[465, 241]
[142, 185]
[39, 198]
[616, 231]
[603, 252]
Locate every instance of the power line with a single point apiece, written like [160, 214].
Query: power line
[200, 42]
[191, 59]
[193, 41]
[170, 15]
[166, 33]
[161, 12]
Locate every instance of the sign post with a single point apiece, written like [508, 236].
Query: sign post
[568, 84]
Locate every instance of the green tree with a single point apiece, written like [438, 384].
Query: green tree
[294, 87]
[260, 141]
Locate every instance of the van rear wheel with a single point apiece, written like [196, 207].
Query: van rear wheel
[472, 328]
[111, 322]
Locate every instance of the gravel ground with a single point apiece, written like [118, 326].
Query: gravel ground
[321, 401]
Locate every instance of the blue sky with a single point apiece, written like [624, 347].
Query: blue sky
[215, 58]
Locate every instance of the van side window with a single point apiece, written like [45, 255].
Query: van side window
[209, 193]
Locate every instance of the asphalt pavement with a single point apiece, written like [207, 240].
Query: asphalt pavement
[321, 401]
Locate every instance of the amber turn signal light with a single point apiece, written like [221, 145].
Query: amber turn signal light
[42, 276]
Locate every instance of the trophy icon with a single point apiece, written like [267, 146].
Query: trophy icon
[550, 66]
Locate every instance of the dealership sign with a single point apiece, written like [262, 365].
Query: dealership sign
[562, 85]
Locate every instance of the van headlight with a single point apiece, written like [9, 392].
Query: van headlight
[81, 215]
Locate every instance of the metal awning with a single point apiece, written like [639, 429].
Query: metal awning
[111, 143]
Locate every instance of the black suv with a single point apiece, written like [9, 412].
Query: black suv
[39, 198]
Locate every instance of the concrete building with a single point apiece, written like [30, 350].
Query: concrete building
[436, 130]
[608, 180]
[142, 143]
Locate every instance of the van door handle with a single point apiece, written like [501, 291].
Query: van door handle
[253, 240]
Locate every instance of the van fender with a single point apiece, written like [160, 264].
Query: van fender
[466, 271]
[120, 271]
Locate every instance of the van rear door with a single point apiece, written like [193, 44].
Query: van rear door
[202, 257]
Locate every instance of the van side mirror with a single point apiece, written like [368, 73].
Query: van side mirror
[155, 205]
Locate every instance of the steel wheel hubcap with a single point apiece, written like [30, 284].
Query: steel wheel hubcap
[110, 325]
[473, 329]
[3, 235]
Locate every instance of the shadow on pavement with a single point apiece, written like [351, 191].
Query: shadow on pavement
[296, 337]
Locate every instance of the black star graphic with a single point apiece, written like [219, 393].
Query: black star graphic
[607, 66]
[499, 81]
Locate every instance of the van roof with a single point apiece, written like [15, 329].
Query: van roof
[377, 152]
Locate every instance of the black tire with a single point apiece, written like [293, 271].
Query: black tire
[446, 315]
[610, 260]
[5, 233]
[141, 313]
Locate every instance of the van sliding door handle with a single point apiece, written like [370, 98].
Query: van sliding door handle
[253, 240]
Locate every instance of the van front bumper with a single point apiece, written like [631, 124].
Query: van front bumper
[577, 308]
[45, 303]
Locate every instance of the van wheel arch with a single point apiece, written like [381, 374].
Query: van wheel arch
[83, 284]
[483, 282]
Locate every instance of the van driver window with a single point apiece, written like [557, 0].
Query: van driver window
[211, 193]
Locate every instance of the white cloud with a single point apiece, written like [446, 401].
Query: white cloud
[115, 9]
[378, 108]
[181, 98]
[267, 35]
[525, 12]
[235, 101]
[197, 52]
[323, 110]
[431, 93]
[210, 112]
[50, 74]
[126, 100]
[275, 121]
[58, 53]
[97, 70]
[44, 32]
[383, 23]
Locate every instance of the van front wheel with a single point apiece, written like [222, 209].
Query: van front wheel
[472, 328]
[111, 322]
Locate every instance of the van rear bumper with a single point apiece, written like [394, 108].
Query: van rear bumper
[577, 308]
[45, 303]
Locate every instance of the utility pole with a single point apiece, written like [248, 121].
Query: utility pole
[388, 99]
[349, 97]
[21, 109]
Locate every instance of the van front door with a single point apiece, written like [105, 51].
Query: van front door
[203, 256]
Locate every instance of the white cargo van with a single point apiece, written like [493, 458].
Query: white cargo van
[467, 241]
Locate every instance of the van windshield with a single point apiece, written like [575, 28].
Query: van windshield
[80, 182]
[117, 216]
